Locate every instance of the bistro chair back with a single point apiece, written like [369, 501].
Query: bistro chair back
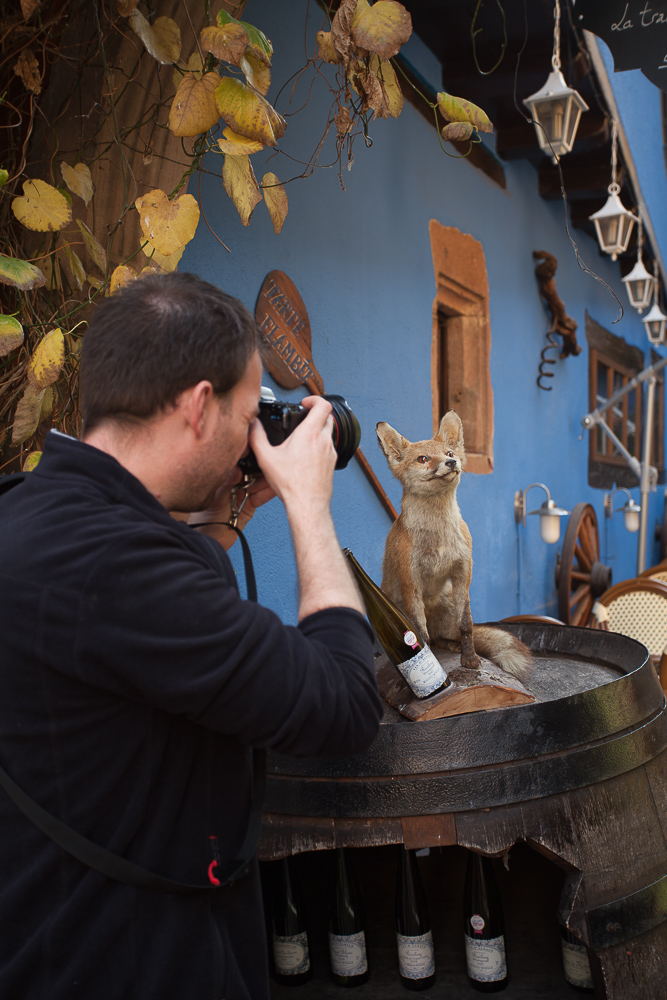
[658, 572]
[636, 608]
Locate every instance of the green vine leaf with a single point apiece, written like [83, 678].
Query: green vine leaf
[248, 113]
[457, 109]
[11, 335]
[20, 273]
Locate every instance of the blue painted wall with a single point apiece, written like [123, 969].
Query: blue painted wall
[361, 260]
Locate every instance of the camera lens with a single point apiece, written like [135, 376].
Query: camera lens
[346, 432]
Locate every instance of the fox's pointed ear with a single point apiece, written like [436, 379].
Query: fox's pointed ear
[450, 430]
[392, 443]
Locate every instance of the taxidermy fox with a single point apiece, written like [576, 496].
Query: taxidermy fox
[427, 564]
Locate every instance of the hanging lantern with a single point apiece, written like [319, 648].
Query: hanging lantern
[613, 222]
[556, 108]
[639, 283]
[655, 321]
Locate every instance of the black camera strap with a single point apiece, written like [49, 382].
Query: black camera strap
[113, 865]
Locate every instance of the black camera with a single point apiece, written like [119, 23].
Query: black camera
[279, 419]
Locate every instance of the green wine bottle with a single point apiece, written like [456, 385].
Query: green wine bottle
[414, 938]
[396, 634]
[347, 935]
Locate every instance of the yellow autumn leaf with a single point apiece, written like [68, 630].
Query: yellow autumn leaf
[326, 50]
[162, 39]
[47, 360]
[74, 266]
[11, 334]
[378, 83]
[47, 404]
[382, 28]
[78, 180]
[227, 43]
[168, 225]
[241, 185]
[41, 207]
[50, 268]
[97, 252]
[32, 460]
[193, 109]
[194, 65]
[167, 264]
[256, 72]
[276, 200]
[27, 415]
[122, 276]
[238, 145]
[248, 113]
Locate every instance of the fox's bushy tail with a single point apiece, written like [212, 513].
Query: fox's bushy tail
[504, 649]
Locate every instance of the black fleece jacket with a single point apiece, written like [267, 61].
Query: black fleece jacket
[133, 682]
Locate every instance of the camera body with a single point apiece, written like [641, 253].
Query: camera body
[280, 418]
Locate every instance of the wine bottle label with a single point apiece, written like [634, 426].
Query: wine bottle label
[415, 955]
[410, 639]
[486, 959]
[348, 954]
[576, 965]
[290, 954]
[423, 672]
[477, 923]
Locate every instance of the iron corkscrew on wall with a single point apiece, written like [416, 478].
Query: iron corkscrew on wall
[561, 323]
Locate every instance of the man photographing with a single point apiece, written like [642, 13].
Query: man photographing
[134, 680]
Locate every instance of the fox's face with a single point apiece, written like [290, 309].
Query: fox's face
[426, 467]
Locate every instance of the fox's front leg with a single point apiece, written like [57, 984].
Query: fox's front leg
[469, 657]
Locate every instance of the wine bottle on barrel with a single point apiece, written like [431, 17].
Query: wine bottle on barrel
[396, 634]
[416, 960]
[347, 936]
[289, 934]
[483, 927]
[575, 962]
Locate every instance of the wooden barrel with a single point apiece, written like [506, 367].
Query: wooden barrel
[598, 713]
[580, 775]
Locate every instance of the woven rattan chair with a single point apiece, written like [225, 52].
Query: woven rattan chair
[658, 572]
[636, 608]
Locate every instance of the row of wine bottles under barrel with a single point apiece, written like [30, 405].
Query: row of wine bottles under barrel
[482, 927]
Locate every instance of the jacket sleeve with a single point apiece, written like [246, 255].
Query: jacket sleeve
[158, 623]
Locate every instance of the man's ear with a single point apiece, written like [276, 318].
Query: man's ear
[196, 406]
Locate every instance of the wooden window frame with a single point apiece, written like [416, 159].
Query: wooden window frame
[461, 341]
[610, 454]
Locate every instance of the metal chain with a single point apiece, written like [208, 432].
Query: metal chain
[555, 59]
[614, 187]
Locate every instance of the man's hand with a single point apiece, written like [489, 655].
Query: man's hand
[300, 471]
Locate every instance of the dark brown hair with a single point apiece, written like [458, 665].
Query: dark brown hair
[157, 337]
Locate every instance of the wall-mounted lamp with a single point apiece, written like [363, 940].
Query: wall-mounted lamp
[630, 509]
[549, 513]
[556, 108]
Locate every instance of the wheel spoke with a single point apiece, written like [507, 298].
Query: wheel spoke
[588, 541]
[582, 558]
[579, 575]
[578, 594]
[582, 613]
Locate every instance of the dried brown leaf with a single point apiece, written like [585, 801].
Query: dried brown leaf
[276, 200]
[28, 8]
[27, 68]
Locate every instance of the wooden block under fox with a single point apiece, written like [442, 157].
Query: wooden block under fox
[427, 565]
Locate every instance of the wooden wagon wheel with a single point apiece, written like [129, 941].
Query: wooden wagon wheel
[580, 576]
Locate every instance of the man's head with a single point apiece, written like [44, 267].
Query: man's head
[154, 339]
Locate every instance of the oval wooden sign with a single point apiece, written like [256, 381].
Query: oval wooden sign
[285, 328]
